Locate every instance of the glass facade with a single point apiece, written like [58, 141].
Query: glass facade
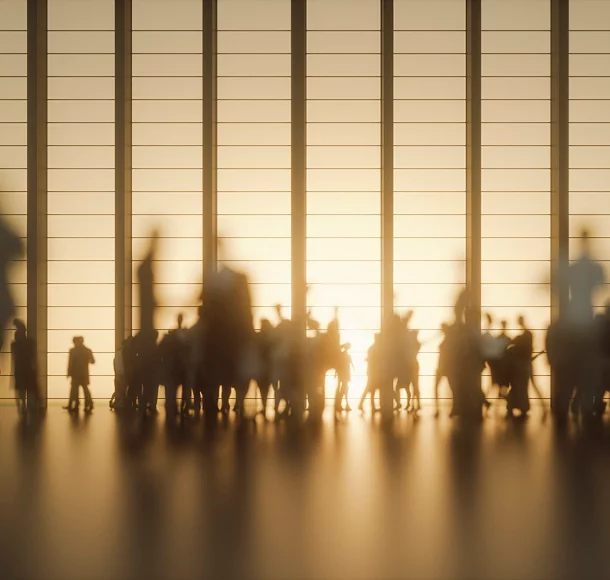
[343, 161]
[590, 130]
[516, 161]
[430, 167]
[80, 161]
[254, 147]
[167, 152]
[343, 171]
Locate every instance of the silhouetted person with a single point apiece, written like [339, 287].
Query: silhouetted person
[11, 248]
[312, 323]
[172, 353]
[374, 373]
[79, 359]
[520, 353]
[264, 378]
[574, 338]
[442, 364]
[229, 337]
[25, 369]
[285, 364]
[498, 360]
[344, 378]
[585, 276]
[121, 381]
[466, 362]
[333, 330]
[408, 365]
[146, 282]
[149, 369]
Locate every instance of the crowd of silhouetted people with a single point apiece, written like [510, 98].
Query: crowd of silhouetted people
[207, 366]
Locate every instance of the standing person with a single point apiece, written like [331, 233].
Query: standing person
[79, 359]
[25, 368]
[264, 378]
[412, 346]
[521, 371]
[443, 363]
[147, 382]
[498, 361]
[374, 372]
[148, 369]
[344, 378]
[117, 401]
[146, 281]
[173, 364]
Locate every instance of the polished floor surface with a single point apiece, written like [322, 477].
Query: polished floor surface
[108, 498]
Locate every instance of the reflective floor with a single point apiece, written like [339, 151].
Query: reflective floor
[112, 499]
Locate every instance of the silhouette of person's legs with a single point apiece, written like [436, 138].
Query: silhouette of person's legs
[88, 398]
[415, 387]
[363, 398]
[171, 394]
[151, 394]
[73, 400]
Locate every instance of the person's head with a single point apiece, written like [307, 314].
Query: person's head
[503, 325]
[180, 320]
[265, 324]
[521, 321]
[488, 319]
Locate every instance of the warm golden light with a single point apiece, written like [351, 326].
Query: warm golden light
[343, 161]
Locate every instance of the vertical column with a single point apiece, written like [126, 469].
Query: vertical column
[387, 160]
[37, 184]
[210, 128]
[123, 170]
[299, 161]
[473, 156]
[560, 150]
[560, 159]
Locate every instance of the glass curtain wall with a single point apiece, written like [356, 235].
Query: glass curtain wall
[13, 154]
[254, 148]
[590, 130]
[516, 167]
[343, 171]
[81, 188]
[430, 175]
[167, 153]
